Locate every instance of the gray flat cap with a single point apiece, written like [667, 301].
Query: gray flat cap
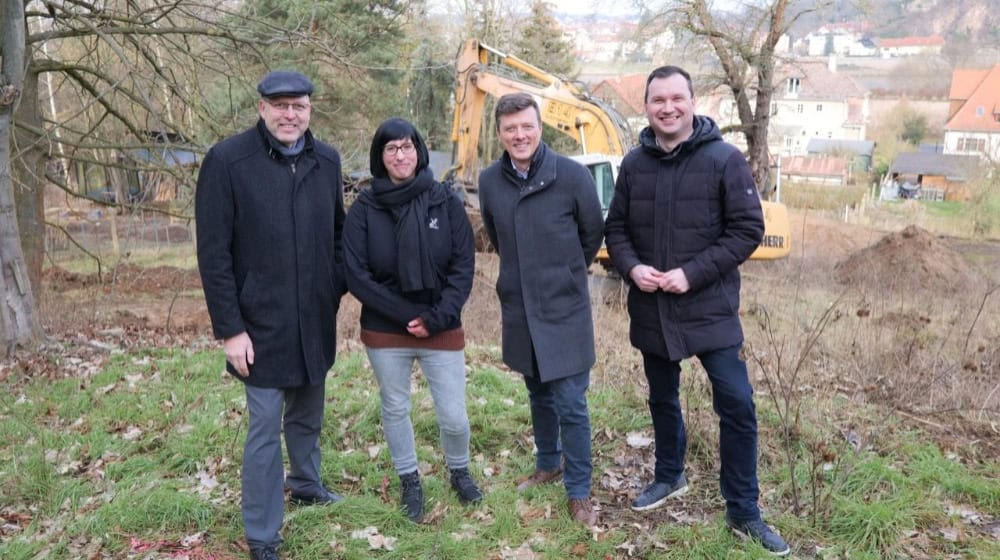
[285, 83]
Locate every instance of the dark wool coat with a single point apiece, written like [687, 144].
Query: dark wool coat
[547, 230]
[370, 252]
[270, 256]
[695, 208]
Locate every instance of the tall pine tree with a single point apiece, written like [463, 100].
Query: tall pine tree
[542, 42]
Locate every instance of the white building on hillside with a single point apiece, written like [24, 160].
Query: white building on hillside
[811, 100]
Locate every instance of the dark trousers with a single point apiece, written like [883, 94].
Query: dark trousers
[561, 422]
[732, 399]
[299, 412]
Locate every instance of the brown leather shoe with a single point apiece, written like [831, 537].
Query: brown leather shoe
[539, 477]
[583, 512]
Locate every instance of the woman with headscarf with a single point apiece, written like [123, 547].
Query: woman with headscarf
[409, 258]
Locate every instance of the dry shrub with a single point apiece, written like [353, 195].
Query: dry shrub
[914, 327]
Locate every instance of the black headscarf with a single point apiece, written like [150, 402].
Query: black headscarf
[408, 202]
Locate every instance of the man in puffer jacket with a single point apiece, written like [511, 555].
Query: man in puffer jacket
[684, 216]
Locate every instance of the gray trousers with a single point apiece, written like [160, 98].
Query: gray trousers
[299, 410]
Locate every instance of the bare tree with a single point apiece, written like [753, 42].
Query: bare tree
[126, 83]
[744, 43]
[18, 319]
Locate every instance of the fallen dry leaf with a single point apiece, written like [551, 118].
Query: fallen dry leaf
[638, 439]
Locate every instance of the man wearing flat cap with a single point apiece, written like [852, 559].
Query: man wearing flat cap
[269, 211]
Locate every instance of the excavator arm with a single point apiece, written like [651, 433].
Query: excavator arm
[480, 71]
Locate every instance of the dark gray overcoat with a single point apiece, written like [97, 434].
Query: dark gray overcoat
[547, 230]
[270, 256]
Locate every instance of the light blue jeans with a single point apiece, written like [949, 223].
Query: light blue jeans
[445, 374]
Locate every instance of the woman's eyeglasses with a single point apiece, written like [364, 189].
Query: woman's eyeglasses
[391, 149]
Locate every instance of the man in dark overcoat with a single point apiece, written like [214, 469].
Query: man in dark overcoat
[269, 211]
[684, 216]
[542, 214]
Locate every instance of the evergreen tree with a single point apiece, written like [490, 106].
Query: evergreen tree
[431, 82]
[541, 41]
[355, 50]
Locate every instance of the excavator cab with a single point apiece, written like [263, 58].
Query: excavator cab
[604, 170]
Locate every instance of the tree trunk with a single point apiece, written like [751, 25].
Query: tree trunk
[17, 307]
[28, 169]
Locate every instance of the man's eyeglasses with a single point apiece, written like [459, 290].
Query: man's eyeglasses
[282, 107]
[391, 149]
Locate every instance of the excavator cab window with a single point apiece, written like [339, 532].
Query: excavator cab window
[605, 179]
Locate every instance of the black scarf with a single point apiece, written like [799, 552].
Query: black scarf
[408, 204]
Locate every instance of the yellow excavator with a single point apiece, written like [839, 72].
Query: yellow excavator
[603, 136]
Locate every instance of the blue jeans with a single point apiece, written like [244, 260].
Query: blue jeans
[445, 374]
[561, 422]
[732, 399]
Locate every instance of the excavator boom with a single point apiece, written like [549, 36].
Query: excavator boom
[485, 71]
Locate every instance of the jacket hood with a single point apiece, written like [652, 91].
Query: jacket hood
[705, 130]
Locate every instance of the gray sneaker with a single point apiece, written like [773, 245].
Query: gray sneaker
[762, 533]
[657, 494]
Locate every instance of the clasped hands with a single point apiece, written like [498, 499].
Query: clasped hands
[649, 279]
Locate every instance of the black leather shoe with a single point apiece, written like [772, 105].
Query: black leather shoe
[323, 498]
[264, 553]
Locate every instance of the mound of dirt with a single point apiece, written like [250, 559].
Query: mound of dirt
[910, 259]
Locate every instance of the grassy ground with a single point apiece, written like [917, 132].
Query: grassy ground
[139, 459]
[878, 414]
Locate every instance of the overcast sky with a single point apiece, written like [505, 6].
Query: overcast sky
[573, 7]
[586, 7]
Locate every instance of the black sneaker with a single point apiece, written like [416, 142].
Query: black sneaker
[466, 488]
[324, 497]
[412, 498]
[657, 494]
[760, 532]
[264, 553]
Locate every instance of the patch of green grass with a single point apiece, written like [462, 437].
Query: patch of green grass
[931, 469]
[875, 476]
[950, 209]
[877, 525]
[163, 509]
[180, 255]
[821, 197]
[66, 455]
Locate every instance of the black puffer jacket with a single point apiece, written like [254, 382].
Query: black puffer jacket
[695, 208]
[371, 264]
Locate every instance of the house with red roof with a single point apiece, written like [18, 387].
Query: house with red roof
[626, 95]
[973, 126]
[909, 46]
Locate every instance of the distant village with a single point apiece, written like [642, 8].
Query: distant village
[822, 114]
